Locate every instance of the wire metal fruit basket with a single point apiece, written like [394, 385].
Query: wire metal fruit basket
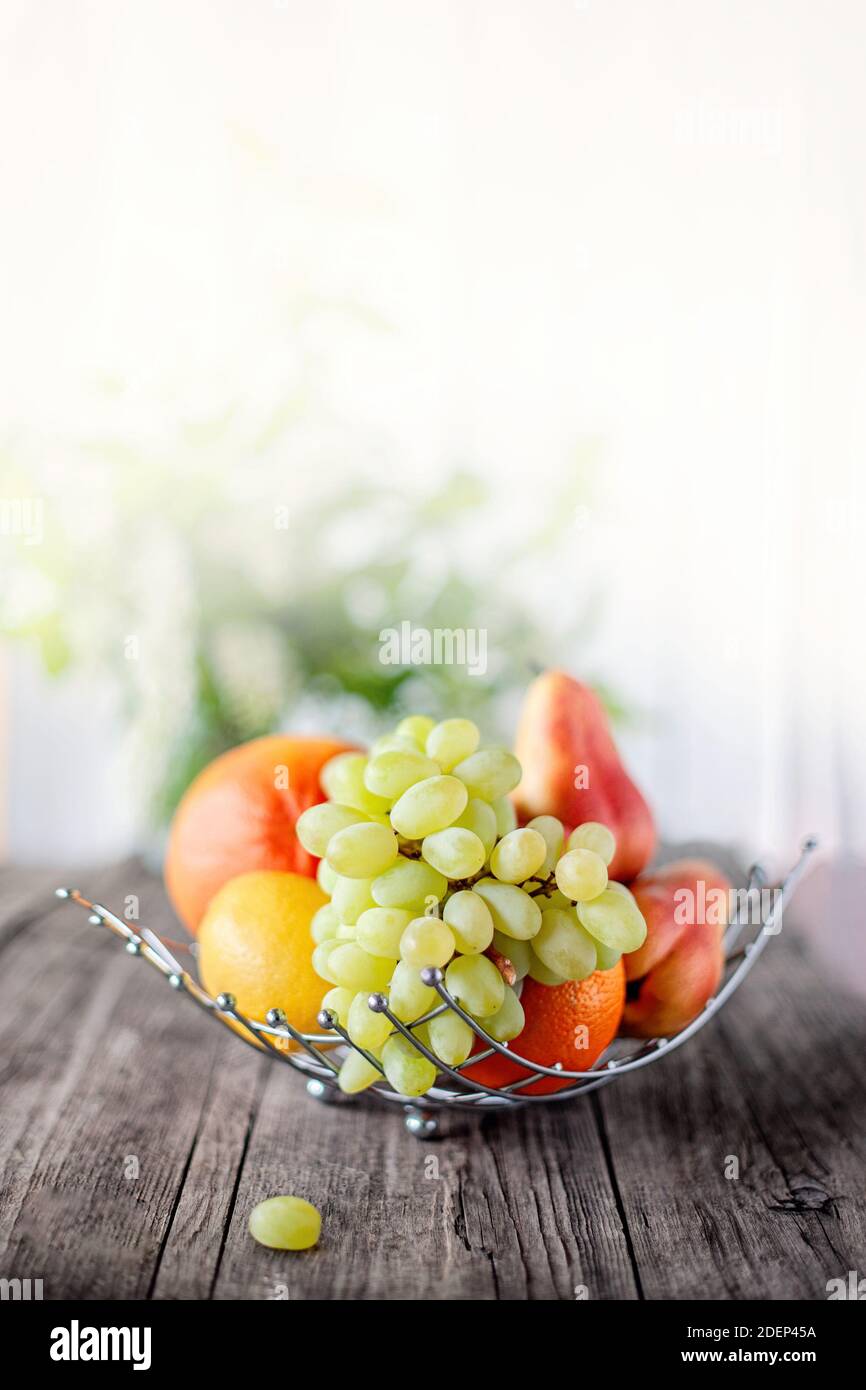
[317, 1056]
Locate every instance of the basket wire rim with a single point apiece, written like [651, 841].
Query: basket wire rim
[318, 1066]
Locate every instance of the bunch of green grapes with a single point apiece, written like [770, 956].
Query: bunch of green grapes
[425, 866]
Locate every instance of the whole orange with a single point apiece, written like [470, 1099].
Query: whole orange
[254, 942]
[571, 1023]
[239, 814]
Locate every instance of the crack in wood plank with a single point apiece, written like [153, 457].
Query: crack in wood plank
[597, 1102]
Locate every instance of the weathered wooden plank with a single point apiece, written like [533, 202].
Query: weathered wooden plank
[192, 1247]
[736, 1092]
[100, 1062]
[24, 896]
[50, 1002]
[806, 1092]
[509, 1207]
[88, 1211]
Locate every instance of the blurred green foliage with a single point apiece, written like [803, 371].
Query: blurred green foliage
[222, 611]
[224, 554]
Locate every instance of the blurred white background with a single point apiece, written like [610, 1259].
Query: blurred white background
[636, 222]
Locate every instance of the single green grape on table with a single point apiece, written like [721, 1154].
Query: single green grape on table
[285, 1223]
[426, 868]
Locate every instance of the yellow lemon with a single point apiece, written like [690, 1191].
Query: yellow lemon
[255, 943]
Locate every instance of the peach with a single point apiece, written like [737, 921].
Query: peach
[678, 968]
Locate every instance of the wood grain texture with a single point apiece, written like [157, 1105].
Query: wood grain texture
[481, 1213]
[136, 1136]
[775, 1085]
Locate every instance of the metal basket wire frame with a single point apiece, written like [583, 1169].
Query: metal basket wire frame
[314, 1054]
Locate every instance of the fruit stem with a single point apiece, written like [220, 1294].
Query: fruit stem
[545, 887]
[411, 849]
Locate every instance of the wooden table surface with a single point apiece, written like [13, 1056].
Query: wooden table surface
[136, 1135]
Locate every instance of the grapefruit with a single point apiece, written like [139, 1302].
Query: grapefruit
[239, 815]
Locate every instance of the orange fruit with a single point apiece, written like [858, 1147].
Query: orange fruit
[254, 942]
[239, 814]
[571, 1023]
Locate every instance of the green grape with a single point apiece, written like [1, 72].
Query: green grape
[324, 924]
[518, 856]
[345, 932]
[426, 941]
[318, 824]
[429, 806]
[365, 1027]
[379, 930]
[475, 983]
[555, 899]
[390, 743]
[539, 972]
[489, 773]
[506, 816]
[469, 918]
[356, 1074]
[622, 890]
[450, 1038]
[408, 883]
[452, 741]
[508, 1020]
[606, 958]
[321, 959]
[391, 773]
[581, 874]
[409, 997]
[407, 1070]
[421, 1032]
[553, 833]
[362, 851]
[514, 912]
[455, 852]
[339, 1001]
[354, 968]
[614, 920]
[518, 952]
[351, 897]
[285, 1223]
[415, 727]
[325, 877]
[564, 946]
[595, 836]
[342, 780]
[480, 818]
